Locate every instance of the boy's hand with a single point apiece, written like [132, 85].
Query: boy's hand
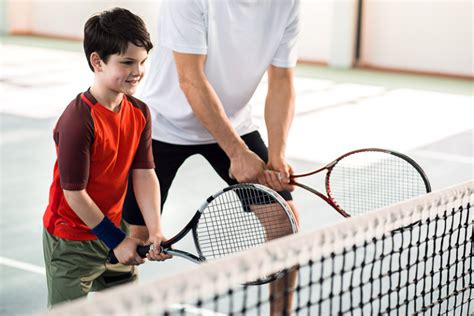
[126, 251]
[155, 253]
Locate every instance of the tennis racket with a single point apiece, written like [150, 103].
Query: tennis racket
[237, 218]
[366, 179]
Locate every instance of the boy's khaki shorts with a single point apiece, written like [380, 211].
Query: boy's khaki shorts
[74, 268]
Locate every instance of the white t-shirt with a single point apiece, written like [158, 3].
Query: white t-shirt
[241, 38]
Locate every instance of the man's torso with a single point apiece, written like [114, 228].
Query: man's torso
[240, 38]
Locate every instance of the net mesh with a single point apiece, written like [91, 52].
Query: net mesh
[411, 258]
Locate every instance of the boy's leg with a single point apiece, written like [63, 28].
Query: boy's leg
[115, 274]
[71, 267]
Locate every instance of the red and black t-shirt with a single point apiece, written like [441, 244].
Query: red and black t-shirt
[96, 148]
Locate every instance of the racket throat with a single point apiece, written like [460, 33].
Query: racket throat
[185, 255]
[325, 198]
[167, 244]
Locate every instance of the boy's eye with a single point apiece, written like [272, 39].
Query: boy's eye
[129, 62]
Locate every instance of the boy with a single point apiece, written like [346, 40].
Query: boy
[102, 135]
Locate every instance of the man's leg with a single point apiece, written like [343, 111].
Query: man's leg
[281, 290]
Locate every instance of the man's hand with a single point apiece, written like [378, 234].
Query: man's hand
[247, 167]
[277, 175]
[155, 254]
[126, 251]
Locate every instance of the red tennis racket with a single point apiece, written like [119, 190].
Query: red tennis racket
[366, 179]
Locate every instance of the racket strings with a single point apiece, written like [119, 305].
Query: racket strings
[240, 219]
[370, 180]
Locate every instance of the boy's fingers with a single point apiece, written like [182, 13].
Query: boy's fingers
[140, 260]
[156, 254]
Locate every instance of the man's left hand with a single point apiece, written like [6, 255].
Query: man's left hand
[277, 176]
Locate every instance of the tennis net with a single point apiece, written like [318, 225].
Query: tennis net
[412, 258]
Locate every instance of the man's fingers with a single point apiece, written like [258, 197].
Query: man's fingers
[288, 187]
[261, 179]
[231, 175]
[271, 177]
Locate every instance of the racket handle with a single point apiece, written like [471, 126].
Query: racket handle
[141, 250]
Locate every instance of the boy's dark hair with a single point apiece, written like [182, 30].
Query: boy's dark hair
[110, 32]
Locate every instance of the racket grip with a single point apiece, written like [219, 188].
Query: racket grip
[141, 250]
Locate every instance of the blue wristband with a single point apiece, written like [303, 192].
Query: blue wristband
[108, 233]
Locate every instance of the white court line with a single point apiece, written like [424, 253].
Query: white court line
[443, 156]
[22, 265]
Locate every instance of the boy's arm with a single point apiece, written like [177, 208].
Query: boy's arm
[147, 193]
[83, 205]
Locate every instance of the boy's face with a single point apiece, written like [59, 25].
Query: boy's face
[123, 72]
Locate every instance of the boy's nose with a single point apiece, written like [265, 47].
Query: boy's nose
[138, 70]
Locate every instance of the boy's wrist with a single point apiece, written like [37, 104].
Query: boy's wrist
[109, 233]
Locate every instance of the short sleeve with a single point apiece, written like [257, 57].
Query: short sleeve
[74, 135]
[286, 55]
[183, 26]
[144, 155]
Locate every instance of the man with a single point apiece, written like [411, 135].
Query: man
[209, 60]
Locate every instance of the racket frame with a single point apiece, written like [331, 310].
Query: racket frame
[166, 246]
[330, 166]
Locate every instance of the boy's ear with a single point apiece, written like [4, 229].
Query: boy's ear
[96, 62]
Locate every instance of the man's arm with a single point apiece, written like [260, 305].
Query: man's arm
[279, 112]
[147, 193]
[90, 214]
[245, 165]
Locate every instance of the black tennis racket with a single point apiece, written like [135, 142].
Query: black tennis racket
[237, 218]
[366, 179]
